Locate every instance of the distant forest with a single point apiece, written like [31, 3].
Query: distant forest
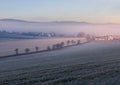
[25, 35]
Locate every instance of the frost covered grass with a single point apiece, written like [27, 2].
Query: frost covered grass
[87, 64]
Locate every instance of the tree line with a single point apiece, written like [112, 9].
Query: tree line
[53, 47]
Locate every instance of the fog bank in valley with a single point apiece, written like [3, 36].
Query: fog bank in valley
[59, 27]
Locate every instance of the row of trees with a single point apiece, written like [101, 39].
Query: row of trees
[72, 42]
[54, 47]
[58, 46]
[27, 50]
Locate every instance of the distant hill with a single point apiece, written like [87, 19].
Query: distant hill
[52, 22]
[12, 20]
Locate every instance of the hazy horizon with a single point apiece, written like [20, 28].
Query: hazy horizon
[64, 27]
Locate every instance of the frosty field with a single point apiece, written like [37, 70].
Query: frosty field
[94, 63]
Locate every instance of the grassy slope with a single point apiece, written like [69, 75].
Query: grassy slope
[92, 64]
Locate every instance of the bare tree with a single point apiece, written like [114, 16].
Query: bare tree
[54, 47]
[27, 50]
[81, 34]
[48, 48]
[78, 42]
[57, 46]
[16, 51]
[72, 41]
[62, 44]
[37, 49]
[68, 42]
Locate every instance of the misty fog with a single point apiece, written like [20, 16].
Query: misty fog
[60, 27]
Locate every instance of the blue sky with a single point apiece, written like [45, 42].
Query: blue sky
[61, 10]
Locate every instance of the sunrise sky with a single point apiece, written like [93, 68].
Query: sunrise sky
[101, 11]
